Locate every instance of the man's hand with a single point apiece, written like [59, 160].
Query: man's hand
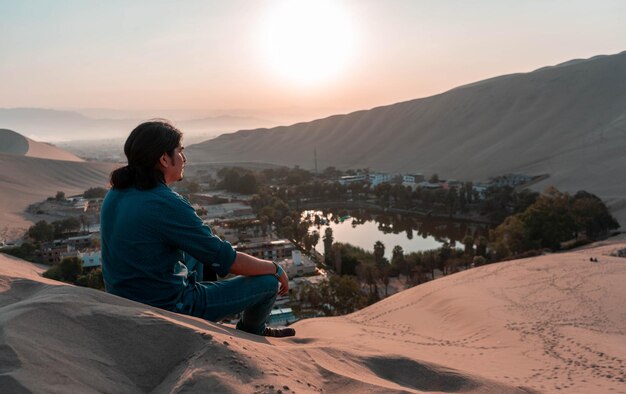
[283, 280]
[247, 265]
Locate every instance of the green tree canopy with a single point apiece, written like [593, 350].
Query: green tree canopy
[553, 218]
[66, 271]
[95, 192]
[41, 231]
[379, 253]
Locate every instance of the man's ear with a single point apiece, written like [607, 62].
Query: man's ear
[164, 160]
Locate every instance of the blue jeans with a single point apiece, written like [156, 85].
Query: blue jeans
[252, 295]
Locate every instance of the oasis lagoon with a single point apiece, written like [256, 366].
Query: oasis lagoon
[363, 228]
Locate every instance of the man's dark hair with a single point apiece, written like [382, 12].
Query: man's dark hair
[143, 149]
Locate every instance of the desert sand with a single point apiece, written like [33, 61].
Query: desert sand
[550, 324]
[33, 171]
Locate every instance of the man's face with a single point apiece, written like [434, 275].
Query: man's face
[173, 167]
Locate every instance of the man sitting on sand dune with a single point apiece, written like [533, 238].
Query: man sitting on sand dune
[155, 247]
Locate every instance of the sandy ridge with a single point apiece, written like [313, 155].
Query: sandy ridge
[554, 323]
[26, 180]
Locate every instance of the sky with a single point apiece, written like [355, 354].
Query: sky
[295, 58]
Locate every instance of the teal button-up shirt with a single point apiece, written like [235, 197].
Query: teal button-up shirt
[145, 235]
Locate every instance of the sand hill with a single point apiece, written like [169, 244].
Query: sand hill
[33, 171]
[567, 121]
[549, 324]
[14, 143]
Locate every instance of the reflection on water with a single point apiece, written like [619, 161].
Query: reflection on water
[363, 228]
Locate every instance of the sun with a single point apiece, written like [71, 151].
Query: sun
[307, 42]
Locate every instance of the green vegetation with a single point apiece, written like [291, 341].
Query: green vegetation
[551, 220]
[237, 180]
[26, 251]
[66, 271]
[43, 231]
[70, 270]
[95, 192]
[334, 296]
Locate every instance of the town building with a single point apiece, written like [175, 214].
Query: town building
[94, 206]
[511, 180]
[452, 184]
[378, 178]
[81, 241]
[281, 317]
[229, 210]
[349, 179]
[298, 265]
[91, 259]
[268, 250]
[412, 178]
[429, 185]
[481, 189]
[53, 253]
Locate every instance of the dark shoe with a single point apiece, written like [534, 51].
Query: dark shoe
[279, 332]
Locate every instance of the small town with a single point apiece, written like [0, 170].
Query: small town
[67, 230]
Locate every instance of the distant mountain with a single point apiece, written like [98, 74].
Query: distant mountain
[50, 124]
[568, 121]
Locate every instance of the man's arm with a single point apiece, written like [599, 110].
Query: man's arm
[247, 265]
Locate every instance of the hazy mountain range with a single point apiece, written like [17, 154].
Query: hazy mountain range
[55, 125]
[568, 121]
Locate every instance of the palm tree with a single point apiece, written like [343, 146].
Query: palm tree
[379, 253]
[328, 244]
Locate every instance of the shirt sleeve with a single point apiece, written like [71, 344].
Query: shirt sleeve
[181, 228]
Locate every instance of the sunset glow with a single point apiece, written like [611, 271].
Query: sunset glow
[307, 42]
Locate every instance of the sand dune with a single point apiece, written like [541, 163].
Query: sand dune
[554, 323]
[567, 121]
[25, 180]
[33, 171]
[14, 143]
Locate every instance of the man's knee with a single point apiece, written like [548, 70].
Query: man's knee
[267, 282]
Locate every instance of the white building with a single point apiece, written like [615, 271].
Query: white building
[481, 189]
[412, 178]
[281, 317]
[298, 265]
[378, 178]
[454, 184]
[348, 179]
[269, 250]
[91, 259]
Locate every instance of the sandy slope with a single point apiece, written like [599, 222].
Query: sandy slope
[25, 180]
[14, 143]
[567, 121]
[549, 324]
[31, 171]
